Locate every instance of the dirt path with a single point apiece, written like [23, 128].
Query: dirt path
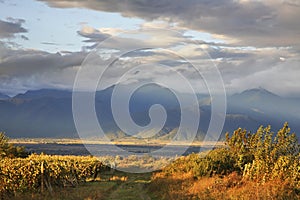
[132, 189]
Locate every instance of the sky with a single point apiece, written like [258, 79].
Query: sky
[45, 43]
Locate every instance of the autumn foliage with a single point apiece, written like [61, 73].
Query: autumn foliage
[260, 165]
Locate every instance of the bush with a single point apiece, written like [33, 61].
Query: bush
[263, 161]
[9, 150]
[273, 156]
[217, 162]
[28, 174]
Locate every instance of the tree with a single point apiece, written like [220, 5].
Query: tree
[9, 150]
[265, 155]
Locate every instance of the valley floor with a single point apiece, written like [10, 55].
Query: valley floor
[123, 141]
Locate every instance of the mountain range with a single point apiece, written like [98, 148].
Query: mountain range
[48, 112]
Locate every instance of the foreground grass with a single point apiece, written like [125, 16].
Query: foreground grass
[157, 186]
[141, 186]
[88, 191]
[230, 187]
[111, 187]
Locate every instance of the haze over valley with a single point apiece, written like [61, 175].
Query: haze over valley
[48, 112]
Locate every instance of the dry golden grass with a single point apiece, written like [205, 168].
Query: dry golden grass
[230, 187]
[118, 178]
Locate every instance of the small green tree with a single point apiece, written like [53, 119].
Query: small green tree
[264, 155]
[241, 144]
[9, 150]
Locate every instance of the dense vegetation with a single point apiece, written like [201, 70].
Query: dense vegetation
[9, 150]
[258, 165]
[20, 172]
[38, 172]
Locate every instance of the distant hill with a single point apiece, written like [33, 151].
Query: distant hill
[48, 112]
[255, 93]
[44, 93]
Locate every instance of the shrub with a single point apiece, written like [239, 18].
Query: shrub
[273, 156]
[9, 150]
[216, 162]
[260, 165]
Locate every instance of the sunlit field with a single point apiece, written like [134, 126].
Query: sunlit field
[261, 165]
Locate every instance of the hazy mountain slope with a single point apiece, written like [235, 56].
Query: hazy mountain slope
[265, 108]
[44, 93]
[48, 113]
[43, 117]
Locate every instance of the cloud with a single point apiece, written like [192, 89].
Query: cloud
[25, 62]
[24, 37]
[271, 68]
[93, 35]
[50, 43]
[156, 34]
[23, 69]
[11, 27]
[241, 67]
[282, 78]
[250, 23]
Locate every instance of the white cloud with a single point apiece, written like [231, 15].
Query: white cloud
[254, 23]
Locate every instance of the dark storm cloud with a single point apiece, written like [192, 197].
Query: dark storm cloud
[255, 23]
[11, 27]
[23, 69]
[20, 63]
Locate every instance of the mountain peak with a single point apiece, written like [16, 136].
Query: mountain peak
[256, 97]
[257, 92]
